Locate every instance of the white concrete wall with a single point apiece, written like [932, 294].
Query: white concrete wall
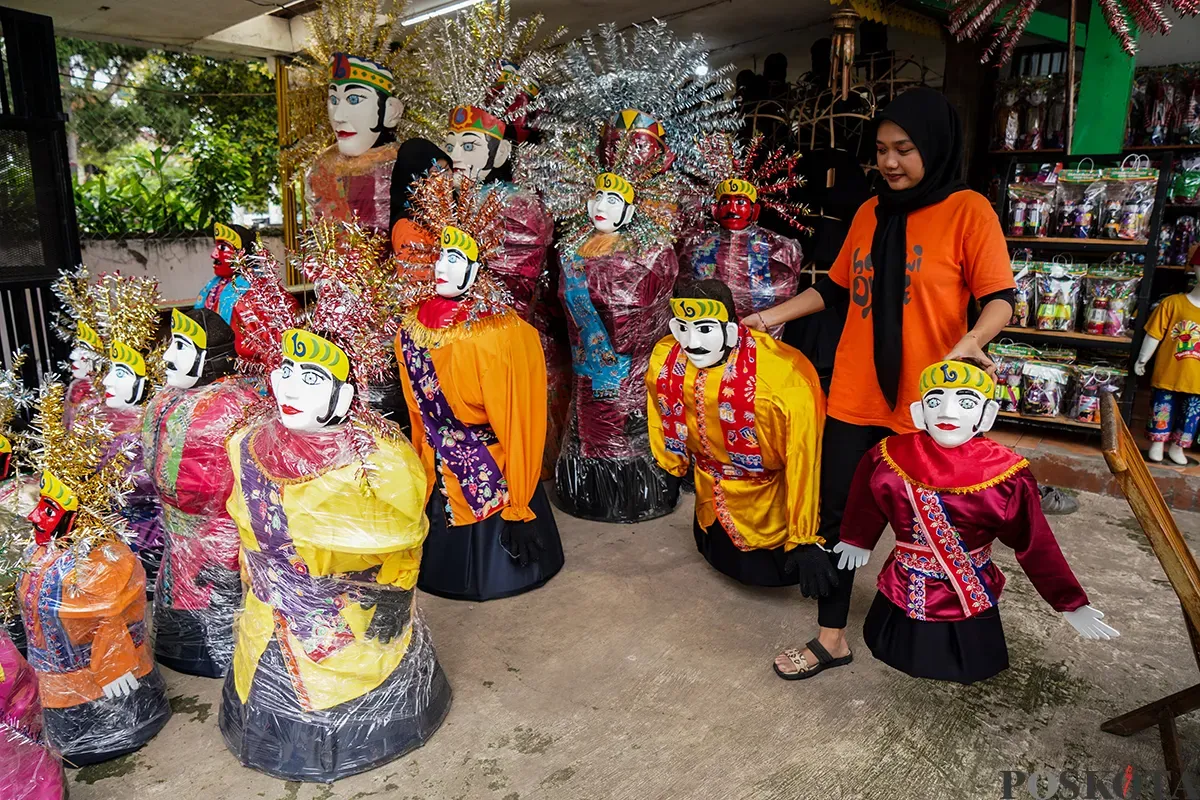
[182, 266]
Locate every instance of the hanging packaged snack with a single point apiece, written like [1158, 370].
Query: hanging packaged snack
[1080, 197]
[1129, 199]
[1183, 238]
[1030, 206]
[1010, 358]
[1110, 298]
[1023, 300]
[1059, 288]
[1091, 382]
[1044, 387]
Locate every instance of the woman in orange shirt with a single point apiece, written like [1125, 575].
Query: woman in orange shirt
[912, 260]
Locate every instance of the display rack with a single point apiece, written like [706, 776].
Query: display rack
[1129, 346]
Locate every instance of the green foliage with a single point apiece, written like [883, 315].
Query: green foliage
[166, 141]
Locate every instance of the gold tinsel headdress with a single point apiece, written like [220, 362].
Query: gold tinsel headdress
[565, 168]
[14, 397]
[485, 66]
[127, 309]
[355, 34]
[77, 304]
[765, 177]
[467, 219]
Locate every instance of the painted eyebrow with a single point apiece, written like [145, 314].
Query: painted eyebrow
[935, 391]
[968, 392]
[472, 135]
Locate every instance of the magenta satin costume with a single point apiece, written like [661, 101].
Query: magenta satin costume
[969, 497]
[81, 398]
[29, 770]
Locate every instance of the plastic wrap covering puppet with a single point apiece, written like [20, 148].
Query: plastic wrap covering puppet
[221, 294]
[76, 326]
[18, 495]
[83, 595]
[949, 494]
[127, 308]
[761, 267]
[29, 768]
[749, 411]
[631, 104]
[186, 426]
[355, 88]
[487, 71]
[475, 382]
[334, 671]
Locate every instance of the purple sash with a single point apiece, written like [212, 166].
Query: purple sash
[310, 607]
[463, 448]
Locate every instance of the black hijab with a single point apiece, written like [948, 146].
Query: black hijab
[934, 127]
[413, 160]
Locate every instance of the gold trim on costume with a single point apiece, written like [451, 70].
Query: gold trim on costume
[978, 487]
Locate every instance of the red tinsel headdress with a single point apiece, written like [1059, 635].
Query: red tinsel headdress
[767, 177]
[262, 313]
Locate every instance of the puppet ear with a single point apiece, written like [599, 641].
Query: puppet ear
[276, 376]
[393, 110]
[731, 334]
[345, 397]
[917, 409]
[990, 410]
[503, 153]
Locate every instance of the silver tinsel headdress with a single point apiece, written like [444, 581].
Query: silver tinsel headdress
[483, 60]
[644, 79]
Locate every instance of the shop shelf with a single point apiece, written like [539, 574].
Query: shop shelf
[1067, 243]
[1086, 338]
[1059, 420]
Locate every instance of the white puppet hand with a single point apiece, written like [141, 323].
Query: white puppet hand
[851, 557]
[121, 687]
[1139, 368]
[1087, 622]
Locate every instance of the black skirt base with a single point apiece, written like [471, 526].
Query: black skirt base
[751, 567]
[966, 652]
[270, 733]
[468, 562]
[184, 643]
[105, 729]
[624, 490]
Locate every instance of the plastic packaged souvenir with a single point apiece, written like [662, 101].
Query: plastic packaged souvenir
[1183, 239]
[1165, 233]
[1007, 130]
[1188, 132]
[1185, 188]
[1080, 199]
[1056, 113]
[1044, 388]
[1091, 382]
[1030, 206]
[1128, 202]
[1033, 122]
[1059, 289]
[1110, 300]
[29, 768]
[1010, 358]
[1023, 301]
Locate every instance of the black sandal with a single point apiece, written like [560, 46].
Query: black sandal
[806, 670]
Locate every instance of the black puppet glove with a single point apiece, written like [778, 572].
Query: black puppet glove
[393, 609]
[522, 541]
[818, 578]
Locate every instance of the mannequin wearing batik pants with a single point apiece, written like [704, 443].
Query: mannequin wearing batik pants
[187, 424]
[1175, 406]
[949, 494]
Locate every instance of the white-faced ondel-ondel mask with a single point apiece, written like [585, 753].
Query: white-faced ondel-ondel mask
[201, 348]
[86, 353]
[612, 206]
[360, 103]
[475, 143]
[704, 330]
[457, 267]
[956, 403]
[312, 385]
[125, 383]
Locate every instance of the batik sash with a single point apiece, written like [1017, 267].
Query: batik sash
[594, 356]
[753, 246]
[461, 447]
[963, 573]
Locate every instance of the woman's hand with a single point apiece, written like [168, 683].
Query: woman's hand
[755, 322]
[968, 350]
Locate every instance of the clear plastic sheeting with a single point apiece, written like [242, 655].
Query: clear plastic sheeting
[141, 510]
[199, 586]
[617, 310]
[29, 768]
[333, 671]
[85, 619]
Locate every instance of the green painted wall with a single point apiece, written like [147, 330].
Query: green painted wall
[1105, 85]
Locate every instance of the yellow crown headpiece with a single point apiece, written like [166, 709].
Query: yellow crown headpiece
[305, 347]
[612, 182]
[733, 186]
[58, 491]
[87, 335]
[457, 239]
[957, 375]
[224, 233]
[188, 328]
[121, 353]
[697, 308]
[5, 444]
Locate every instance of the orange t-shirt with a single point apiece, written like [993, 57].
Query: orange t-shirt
[956, 250]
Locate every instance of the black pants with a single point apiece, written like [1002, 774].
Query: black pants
[842, 447]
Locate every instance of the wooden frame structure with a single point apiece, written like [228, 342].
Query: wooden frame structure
[1126, 464]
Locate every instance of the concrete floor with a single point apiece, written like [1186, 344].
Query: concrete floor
[640, 674]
